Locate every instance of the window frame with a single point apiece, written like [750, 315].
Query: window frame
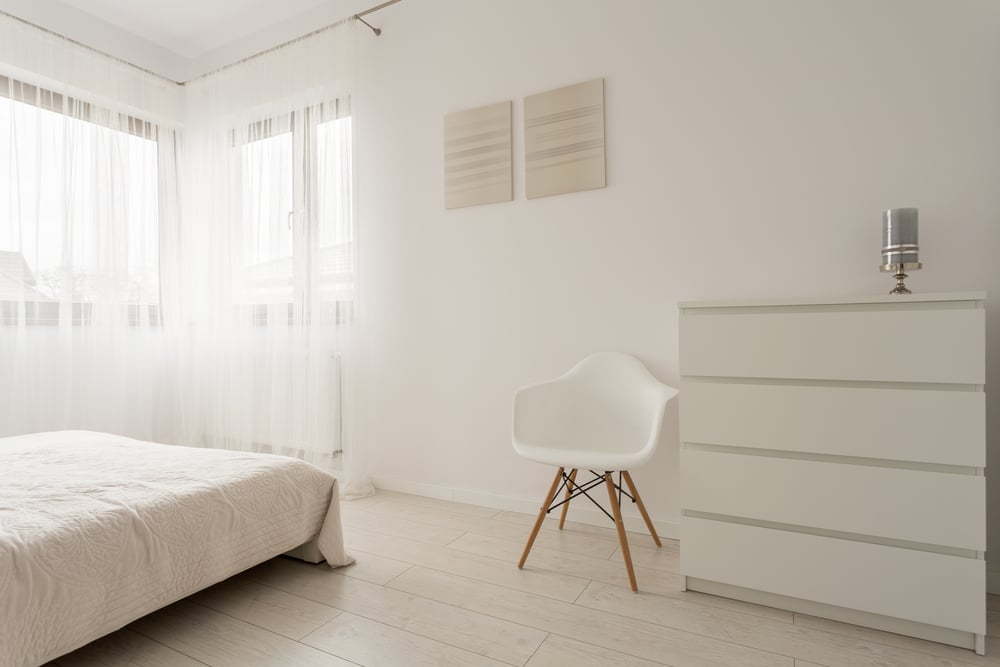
[305, 219]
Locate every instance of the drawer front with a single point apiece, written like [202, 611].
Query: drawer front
[933, 508]
[925, 587]
[945, 427]
[939, 345]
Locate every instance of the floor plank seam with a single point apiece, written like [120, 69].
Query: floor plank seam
[510, 588]
[282, 590]
[386, 584]
[424, 522]
[261, 627]
[376, 531]
[537, 649]
[415, 634]
[467, 609]
[167, 646]
[605, 648]
[451, 542]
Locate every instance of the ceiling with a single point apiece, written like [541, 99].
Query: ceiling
[182, 39]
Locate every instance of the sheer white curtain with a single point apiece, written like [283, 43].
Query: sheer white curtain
[265, 278]
[178, 263]
[79, 238]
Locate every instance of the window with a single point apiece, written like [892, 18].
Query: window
[267, 204]
[78, 206]
[335, 206]
[297, 231]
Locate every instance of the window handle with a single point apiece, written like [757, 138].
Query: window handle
[291, 214]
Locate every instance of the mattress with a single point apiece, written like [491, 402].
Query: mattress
[97, 530]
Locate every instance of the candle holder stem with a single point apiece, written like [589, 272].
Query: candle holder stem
[899, 270]
[900, 285]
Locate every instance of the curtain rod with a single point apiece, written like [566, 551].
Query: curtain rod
[377, 31]
[317, 31]
[370, 10]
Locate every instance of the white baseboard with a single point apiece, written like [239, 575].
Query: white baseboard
[591, 517]
[993, 582]
[415, 488]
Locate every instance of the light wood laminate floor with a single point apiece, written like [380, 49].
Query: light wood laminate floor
[436, 583]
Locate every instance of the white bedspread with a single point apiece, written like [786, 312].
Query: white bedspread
[97, 530]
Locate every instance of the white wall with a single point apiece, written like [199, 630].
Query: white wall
[751, 148]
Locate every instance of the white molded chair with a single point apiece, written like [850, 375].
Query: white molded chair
[605, 416]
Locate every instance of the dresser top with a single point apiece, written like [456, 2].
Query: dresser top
[837, 300]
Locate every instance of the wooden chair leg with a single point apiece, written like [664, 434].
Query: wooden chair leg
[569, 491]
[642, 508]
[620, 525]
[549, 497]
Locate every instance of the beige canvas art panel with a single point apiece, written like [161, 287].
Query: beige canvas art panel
[477, 156]
[564, 140]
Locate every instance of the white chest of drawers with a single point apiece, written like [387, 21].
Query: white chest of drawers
[833, 457]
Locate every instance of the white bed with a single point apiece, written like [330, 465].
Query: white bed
[97, 530]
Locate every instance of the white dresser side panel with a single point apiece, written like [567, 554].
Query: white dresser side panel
[945, 427]
[895, 345]
[925, 587]
[932, 508]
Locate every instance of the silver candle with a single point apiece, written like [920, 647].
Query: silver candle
[900, 250]
[899, 236]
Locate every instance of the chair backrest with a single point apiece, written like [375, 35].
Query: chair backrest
[609, 402]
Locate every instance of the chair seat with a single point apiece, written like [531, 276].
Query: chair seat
[581, 458]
